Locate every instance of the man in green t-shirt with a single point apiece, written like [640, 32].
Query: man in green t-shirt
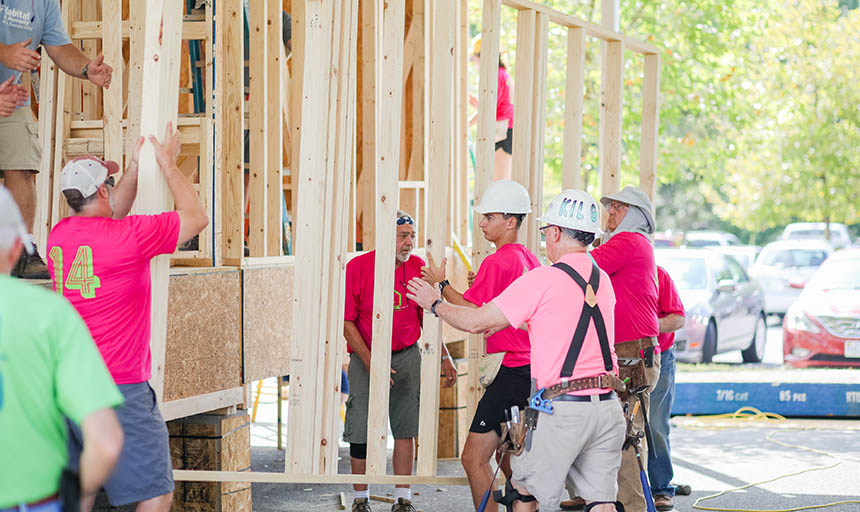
[50, 369]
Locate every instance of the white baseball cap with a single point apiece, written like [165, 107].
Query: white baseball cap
[11, 223]
[86, 174]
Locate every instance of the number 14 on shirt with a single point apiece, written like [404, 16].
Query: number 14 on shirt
[80, 276]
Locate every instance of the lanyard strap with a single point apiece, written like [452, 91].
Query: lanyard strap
[590, 311]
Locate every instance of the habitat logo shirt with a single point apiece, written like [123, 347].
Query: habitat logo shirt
[359, 300]
[38, 20]
[101, 266]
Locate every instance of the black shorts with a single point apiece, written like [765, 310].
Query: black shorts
[507, 144]
[511, 387]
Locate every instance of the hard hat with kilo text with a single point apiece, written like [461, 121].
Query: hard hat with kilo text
[505, 196]
[573, 209]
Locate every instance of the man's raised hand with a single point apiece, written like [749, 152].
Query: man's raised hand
[18, 57]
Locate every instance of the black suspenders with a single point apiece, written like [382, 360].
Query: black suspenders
[589, 312]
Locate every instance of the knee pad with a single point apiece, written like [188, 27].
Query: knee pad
[358, 450]
[510, 495]
[619, 507]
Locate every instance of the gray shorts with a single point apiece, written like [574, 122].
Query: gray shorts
[402, 401]
[144, 470]
[19, 142]
[581, 441]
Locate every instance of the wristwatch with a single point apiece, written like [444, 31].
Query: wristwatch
[442, 284]
[84, 71]
[433, 307]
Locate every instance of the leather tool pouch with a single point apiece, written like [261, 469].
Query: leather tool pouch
[632, 373]
[69, 491]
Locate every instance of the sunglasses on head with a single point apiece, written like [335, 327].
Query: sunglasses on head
[109, 181]
[405, 220]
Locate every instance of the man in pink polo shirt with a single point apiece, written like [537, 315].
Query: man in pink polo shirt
[627, 255]
[99, 260]
[568, 310]
[405, 363]
[504, 205]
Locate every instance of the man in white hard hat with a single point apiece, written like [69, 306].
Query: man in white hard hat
[100, 261]
[49, 370]
[569, 311]
[503, 205]
[627, 255]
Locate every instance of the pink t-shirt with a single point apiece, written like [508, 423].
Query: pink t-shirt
[550, 302]
[105, 275]
[668, 303]
[504, 107]
[497, 271]
[628, 258]
[359, 300]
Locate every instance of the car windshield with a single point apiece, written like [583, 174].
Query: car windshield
[689, 273]
[806, 234]
[704, 242]
[841, 274]
[793, 257]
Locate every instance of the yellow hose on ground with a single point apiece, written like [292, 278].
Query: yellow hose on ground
[749, 414]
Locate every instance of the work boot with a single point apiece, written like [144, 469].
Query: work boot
[664, 503]
[575, 503]
[402, 506]
[682, 490]
[361, 505]
[31, 266]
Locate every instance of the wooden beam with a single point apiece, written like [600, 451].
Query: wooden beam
[274, 127]
[44, 180]
[190, 406]
[371, 26]
[485, 159]
[112, 97]
[573, 98]
[596, 31]
[537, 130]
[524, 80]
[229, 140]
[441, 124]
[161, 58]
[610, 119]
[315, 21]
[650, 127]
[462, 121]
[90, 93]
[82, 30]
[388, 149]
[258, 126]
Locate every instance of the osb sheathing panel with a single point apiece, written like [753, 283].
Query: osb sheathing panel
[268, 321]
[204, 338]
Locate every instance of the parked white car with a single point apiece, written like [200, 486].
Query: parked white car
[745, 254]
[839, 236]
[709, 239]
[782, 262]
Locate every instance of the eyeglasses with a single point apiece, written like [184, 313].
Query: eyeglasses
[616, 205]
[543, 231]
[109, 181]
[406, 219]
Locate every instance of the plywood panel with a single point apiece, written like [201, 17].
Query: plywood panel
[203, 334]
[267, 320]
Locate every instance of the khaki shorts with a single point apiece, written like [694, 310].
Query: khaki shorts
[19, 142]
[581, 441]
[402, 398]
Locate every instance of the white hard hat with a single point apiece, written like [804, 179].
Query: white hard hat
[574, 209]
[505, 196]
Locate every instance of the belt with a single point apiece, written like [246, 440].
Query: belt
[402, 349]
[43, 501]
[609, 395]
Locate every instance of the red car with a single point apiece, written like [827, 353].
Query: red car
[822, 328]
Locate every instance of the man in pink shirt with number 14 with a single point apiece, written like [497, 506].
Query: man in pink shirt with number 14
[99, 259]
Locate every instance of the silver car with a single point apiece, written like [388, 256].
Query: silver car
[723, 306]
[784, 262]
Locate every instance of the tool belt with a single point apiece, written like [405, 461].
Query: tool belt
[514, 440]
[602, 381]
[633, 357]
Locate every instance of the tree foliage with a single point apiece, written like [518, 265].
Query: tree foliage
[759, 106]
